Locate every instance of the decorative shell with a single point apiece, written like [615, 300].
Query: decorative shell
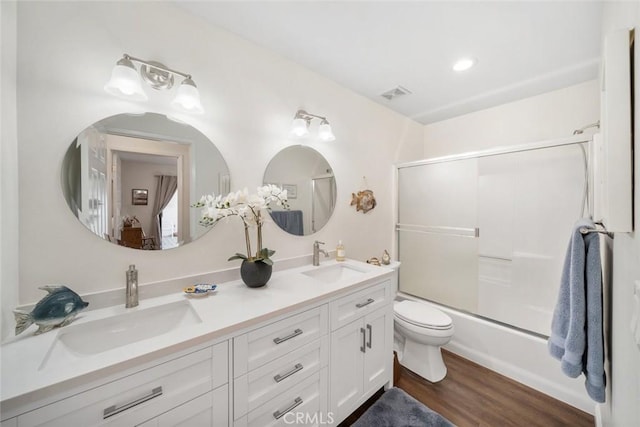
[364, 201]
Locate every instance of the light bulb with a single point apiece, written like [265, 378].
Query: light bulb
[299, 128]
[325, 133]
[125, 81]
[188, 98]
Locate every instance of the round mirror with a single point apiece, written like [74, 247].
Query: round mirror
[310, 185]
[131, 178]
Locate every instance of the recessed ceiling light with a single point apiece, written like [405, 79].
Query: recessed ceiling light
[463, 64]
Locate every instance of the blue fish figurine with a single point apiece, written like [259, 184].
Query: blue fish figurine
[58, 308]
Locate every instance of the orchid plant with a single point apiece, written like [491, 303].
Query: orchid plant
[249, 208]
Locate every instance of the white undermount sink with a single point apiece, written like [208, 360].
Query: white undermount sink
[333, 273]
[105, 334]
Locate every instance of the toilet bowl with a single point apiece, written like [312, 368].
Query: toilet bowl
[419, 332]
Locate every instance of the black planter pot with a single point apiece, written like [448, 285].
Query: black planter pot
[255, 274]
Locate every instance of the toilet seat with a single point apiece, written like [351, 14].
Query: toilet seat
[422, 315]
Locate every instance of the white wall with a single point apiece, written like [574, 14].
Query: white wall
[66, 51]
[548, 116]
[623, 409]
[9, 169]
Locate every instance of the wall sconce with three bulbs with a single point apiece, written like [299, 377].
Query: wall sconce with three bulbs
[302, 121]
[125, 82]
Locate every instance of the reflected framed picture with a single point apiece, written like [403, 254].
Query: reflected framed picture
[139, 196]
[292, 190]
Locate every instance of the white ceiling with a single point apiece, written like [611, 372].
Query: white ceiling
[523, 48]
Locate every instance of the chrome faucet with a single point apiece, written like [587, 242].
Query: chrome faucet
[317, 251]
[132, 287]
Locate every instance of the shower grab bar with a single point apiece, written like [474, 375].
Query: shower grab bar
[431, 229]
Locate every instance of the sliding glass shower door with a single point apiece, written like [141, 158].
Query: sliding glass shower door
[487, 234]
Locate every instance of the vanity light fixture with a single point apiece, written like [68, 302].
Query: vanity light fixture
[125, 82]
[302, 121]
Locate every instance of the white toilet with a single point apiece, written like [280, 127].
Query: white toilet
[419, 332]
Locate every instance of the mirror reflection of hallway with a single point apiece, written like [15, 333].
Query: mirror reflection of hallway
[109, 179]
[154, 165]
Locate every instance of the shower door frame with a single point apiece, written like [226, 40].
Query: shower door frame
[474, 232]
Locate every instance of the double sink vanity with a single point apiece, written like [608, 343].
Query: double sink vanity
[310, 346]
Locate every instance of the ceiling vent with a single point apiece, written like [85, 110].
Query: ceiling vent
[394, 93]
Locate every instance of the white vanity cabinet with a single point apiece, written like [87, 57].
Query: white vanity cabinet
[145, 394]
[310, 355]
[361, 350]
[280, 370]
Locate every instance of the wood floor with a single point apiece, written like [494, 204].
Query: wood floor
[472, 395]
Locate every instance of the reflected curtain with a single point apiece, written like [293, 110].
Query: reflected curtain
[166, 188]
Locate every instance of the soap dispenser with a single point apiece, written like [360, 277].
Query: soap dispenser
[340, 252]
[132, 287]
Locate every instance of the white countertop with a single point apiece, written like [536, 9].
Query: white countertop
[32, 363]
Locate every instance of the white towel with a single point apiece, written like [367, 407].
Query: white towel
[576, 329]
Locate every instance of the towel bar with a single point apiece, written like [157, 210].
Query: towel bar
[585, 230]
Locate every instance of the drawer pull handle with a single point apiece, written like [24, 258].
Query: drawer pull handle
[288, 337]
[279, 414]
[364, 339]
[295, 369]
[113, 410]
[367, 302]
[370, 335]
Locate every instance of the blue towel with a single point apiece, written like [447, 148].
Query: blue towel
[289, 221]
[576, 329]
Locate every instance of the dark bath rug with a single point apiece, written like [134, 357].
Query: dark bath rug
[395, 408]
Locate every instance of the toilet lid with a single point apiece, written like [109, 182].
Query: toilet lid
[422, 315]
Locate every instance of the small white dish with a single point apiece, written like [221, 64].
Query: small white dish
[199, 290]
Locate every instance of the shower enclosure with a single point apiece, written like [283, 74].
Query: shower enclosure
[323, 197]
[486, 232]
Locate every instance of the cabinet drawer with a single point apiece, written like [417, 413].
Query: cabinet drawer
[208, 410]
[274, 378]
[306, 403]
[133, 399]
[351, 307]
[265, 344]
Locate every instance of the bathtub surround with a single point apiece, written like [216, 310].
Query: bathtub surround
[576, 329]
[520, 356]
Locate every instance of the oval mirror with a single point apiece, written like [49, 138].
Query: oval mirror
[130, 179]
[310, 185]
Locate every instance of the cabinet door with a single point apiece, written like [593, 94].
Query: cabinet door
[347, 351]
[378, 356]
[209, 410]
